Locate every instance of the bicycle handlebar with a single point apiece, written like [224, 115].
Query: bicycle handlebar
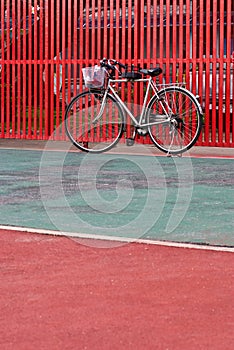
[111, 63]
[132, 74]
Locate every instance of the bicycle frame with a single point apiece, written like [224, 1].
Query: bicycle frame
[138, 124]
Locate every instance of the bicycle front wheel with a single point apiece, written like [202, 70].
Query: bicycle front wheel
[88, 130]
[178, 120]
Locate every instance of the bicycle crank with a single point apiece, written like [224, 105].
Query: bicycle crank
[142, 131]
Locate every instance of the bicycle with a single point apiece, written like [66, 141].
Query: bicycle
[95, 120]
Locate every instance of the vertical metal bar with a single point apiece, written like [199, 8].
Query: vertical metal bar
[201, 52]
[19, 71]
[58, 69]
[181, 40]
[46, 75]
[41, 67]
[174, 39]
[207, 74]
[69, 52]
[187, 43]
[2, 30]
[214, 74]
[232, 131]
[194, 45]
[75, 47]
[87, 29]
[155, 41]
[8, 82]
[52, 112]
[93, 42]
[123, 52]
[13, 88]
[168, 40]
[2, 70]
[99, 30]
[137, 41]
[81, 31]
[35, 69]
[161, 33]
[105, 35]
[24, 102]
[149, 13]
[137, 8]
[81, 40]
[221, 74]
[130, 28]
[64, 58]
[142, 31]
[151, 27]
[196, 74]
[228, 73]
[113, 50]
[111, 30]
[29, 71]
[118, 35]
[145, 43]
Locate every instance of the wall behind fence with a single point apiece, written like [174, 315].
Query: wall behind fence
[45, 43]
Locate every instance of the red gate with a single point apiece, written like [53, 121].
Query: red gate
[45, 43]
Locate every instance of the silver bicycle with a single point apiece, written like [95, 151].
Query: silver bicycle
[95, 120]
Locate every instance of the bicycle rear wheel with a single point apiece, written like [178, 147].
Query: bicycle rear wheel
[85, 130]
[180, 123]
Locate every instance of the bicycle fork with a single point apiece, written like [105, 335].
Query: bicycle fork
[95, 120]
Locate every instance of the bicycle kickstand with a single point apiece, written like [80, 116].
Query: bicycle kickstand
[131, 140]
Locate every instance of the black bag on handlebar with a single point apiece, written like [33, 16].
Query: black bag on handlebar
[132, 75]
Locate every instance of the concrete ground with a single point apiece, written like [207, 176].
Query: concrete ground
[196, 151]
[195, 198]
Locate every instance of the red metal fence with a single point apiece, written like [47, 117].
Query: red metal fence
[45, 43]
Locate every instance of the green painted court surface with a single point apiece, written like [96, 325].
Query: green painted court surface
[160, 198]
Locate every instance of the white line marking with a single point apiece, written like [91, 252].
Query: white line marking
[118, 239]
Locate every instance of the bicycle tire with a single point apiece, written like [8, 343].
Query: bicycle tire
[93, 137]
[181, 131]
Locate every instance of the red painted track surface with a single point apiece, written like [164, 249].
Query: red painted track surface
[56, 293]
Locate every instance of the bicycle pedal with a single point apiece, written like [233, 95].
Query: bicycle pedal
[129, 142]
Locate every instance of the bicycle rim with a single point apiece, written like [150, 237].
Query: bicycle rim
[85, 130]
[178, 133]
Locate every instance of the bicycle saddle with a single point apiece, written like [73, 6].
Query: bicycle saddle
[153, 72]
